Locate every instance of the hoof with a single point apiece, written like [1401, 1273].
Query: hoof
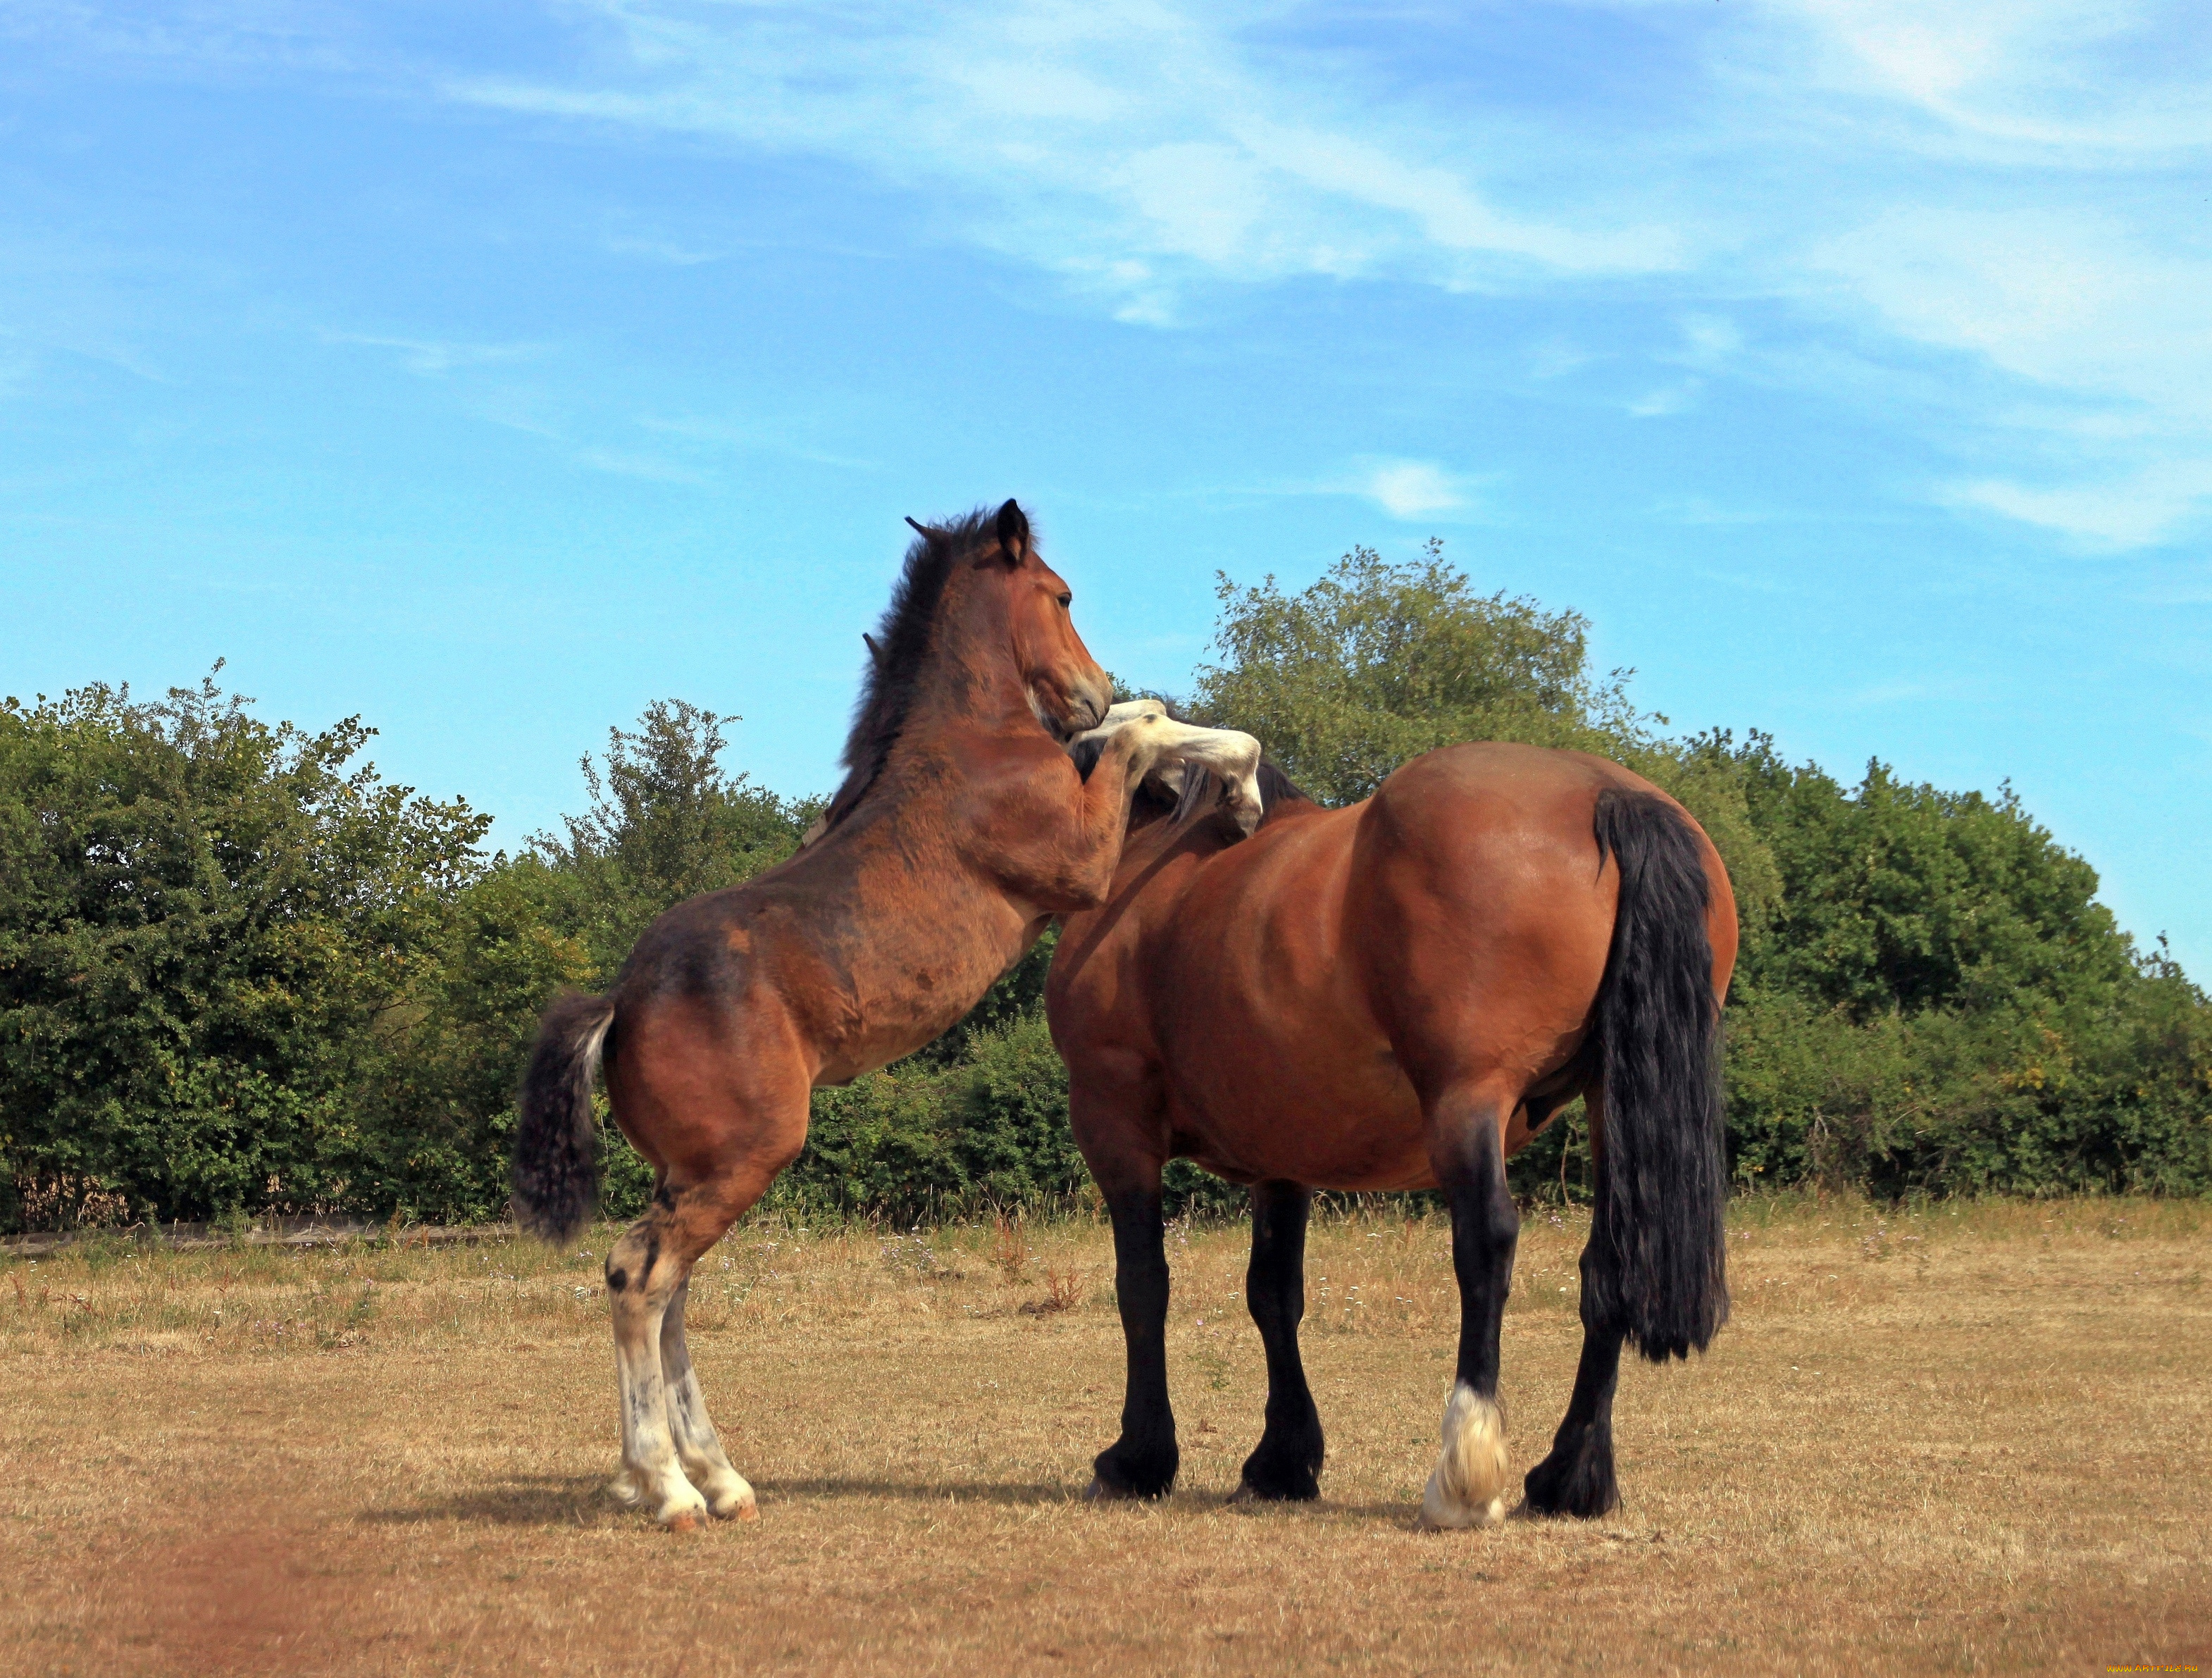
[1466, 1488]
[729, 1498]
[680, 1501]
[682, 1514]
[1121, 1474]
[1576, 1481]
[1290, 1488]
[1439, 1514]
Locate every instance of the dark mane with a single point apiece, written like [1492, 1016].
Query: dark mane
[899, 649]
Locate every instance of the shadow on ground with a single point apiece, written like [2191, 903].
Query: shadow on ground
[531, 1501]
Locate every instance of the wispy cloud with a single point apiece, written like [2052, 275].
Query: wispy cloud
[1668, 399]
[432, 356]
[2134, 511]
[2016, 77]
[1992, 207]
[628, 463]
[1409, 488]
[1132, 147]
[668, 251]
[1139, 151]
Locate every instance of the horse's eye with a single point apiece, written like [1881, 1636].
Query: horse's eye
[1064, 600]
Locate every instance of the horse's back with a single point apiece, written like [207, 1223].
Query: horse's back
[1319, 984]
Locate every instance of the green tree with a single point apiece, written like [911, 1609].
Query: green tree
[203, 916]
[1941, 1004]
[666, 823]
[1928, 996]
[1376, 662]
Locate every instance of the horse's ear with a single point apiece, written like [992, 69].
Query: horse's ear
[875, 651]
[935, 537]
[1013, 533]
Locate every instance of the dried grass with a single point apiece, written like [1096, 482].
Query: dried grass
[1970, 1438]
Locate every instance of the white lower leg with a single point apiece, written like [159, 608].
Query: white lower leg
[651, 1476]
[1467, 1486]
[698, 1445]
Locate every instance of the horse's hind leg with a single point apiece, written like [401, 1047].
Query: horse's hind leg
[698, 1447]
[664, 1419]
[1142, 1462]
[1577, 1478]
[1287, 1464]
[1466, 1488]
[643, 1277]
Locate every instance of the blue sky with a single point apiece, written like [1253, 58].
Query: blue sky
[492, 371]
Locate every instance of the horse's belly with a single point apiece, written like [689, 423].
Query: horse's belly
[1301, 1088]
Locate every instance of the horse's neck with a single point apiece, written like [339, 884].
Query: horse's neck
[967, 682]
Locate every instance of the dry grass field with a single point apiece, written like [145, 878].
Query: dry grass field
[1970, 1439]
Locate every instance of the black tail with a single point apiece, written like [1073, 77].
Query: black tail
[1662, 1274]
[557, 1173]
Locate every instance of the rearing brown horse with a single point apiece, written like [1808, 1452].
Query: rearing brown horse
[1398, 995]
[960, 830]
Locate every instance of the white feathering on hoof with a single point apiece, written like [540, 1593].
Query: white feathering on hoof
[729, 1498]
[1467, 1486]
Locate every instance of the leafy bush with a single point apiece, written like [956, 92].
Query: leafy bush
[204, 919]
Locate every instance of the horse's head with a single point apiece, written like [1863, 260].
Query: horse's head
[1066, 688]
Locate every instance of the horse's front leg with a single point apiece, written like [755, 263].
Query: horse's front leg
[1287, 1464]
[1142, 1462]
[1466, 1487]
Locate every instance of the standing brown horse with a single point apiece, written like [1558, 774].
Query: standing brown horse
[1398, 995]
[960, 830]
